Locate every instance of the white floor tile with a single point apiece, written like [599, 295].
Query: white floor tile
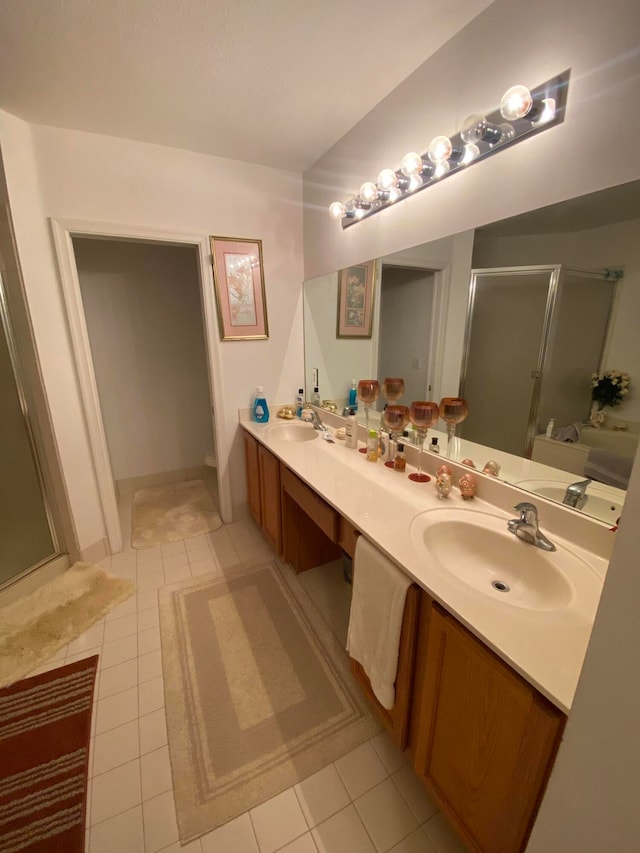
[237, 836]
[117, 678]
[415, 794]
[146, 570]
[160, 826]
[173, 548]
[151, 695]
[155, 768]
[116, 791]
[149, 640]
[442, 837]
[119, 651]
[116, 710]
[386, 816]
[148, 618]
[304, 844]
[175, 561]
[180, 573]
[121, 833]
[147, 583]
[278, 821]
[343, 833]
[147, 599]
[321, 795]
[150, 666]
[360, 770]
[122, 609]
[192, 847]
[389, 753]
[153, 731]
[417, 842]
[90, 639]
[203, 567]
[125, 626]
[115, 747]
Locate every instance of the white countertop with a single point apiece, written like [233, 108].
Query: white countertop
[546, 647]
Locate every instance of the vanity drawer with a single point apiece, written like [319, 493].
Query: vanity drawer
[347, 536]
[318, 510]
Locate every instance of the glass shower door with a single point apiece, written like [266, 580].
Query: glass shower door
[26, 534]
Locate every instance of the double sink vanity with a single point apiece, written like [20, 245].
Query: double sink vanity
[495, 629]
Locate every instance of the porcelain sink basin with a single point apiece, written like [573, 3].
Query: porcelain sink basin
[601, 504]
[293, 431]
[477, 549]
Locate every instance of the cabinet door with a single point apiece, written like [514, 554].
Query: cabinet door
[270, 509]
[486, 739]
[253, 476]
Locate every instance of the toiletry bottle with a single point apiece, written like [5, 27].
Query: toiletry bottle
[260, 408]
[550, 427]
[383, 445]
[372, 446]
[299, 402]
[351, 428]
[353, 396]
[434, 445]
[400, 461]
[316, 396]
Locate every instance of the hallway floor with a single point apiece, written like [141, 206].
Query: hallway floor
[369, 801]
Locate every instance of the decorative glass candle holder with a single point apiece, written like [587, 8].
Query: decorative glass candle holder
[453, 410]
[392, 388]
[395, 419]
[423, 414]
[368, 393]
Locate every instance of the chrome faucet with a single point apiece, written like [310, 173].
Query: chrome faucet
[526, 527]
[317, 423]
[576, 494]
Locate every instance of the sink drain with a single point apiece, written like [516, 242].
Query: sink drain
[501, 586]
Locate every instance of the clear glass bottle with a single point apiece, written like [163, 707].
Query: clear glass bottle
[300, 402]
[434, 445]
[400, 460]
[316, 396]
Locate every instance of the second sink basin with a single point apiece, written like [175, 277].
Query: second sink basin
[477, 549]
[293, 431]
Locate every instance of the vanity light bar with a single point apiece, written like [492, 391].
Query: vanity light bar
[522, 112]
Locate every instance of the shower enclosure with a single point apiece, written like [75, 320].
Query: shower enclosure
[534, 336]
[27, 536]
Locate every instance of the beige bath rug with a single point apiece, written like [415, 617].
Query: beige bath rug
[33, 628]
[164, 514]
[258, 693]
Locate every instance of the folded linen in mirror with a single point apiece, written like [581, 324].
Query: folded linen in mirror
[567, 433]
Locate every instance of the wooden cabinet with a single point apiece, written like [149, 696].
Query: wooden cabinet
[263, 490]
[253, 476]
[310, 525]
[485, 739]
[397, 718]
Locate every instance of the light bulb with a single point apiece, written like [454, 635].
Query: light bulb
[548, 111]
[440, 148]
[516, 103]
[477, 129]
[394, 195]
[368, 191]
[411, 164]
[441, 169]
[471, 151]
[359, 212]
[387, 179]
[337, 210]
[415, 182]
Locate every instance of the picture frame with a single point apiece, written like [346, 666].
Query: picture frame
[355, 300]
[238, 279]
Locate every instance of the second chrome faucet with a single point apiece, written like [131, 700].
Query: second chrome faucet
[526, 527]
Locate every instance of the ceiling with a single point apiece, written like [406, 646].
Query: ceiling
[275, 82]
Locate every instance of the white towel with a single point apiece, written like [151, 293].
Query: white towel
[375, 623]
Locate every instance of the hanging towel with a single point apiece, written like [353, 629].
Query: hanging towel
[567, 433]
[607, 467]
[375, 623]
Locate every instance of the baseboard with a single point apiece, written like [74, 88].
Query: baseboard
[30, 582]
[96, 552]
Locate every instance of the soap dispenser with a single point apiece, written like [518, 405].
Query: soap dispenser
[260, 408]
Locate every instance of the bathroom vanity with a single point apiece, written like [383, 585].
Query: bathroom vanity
[484, 682]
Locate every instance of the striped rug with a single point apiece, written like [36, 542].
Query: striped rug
[45, 726]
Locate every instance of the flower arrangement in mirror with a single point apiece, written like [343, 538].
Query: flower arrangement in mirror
[607, 389]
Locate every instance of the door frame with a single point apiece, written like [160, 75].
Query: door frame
[63, 232]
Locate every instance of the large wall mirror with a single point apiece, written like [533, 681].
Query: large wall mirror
[562, 282]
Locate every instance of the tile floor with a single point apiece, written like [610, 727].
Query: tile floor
[369, 800]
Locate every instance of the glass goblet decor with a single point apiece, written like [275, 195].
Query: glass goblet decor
[423, 414]
[368, 393]
[453, 410]
[395, 419]
[392, 388]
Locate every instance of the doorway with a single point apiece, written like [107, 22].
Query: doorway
[406, 320]
[135, 417]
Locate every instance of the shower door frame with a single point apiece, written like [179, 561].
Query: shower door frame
[64, 230]
[556, 272]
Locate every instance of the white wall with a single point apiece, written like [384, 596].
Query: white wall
[144, 317]
[613, 247]
[339, 360]
[511, 41]
[69, 174]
